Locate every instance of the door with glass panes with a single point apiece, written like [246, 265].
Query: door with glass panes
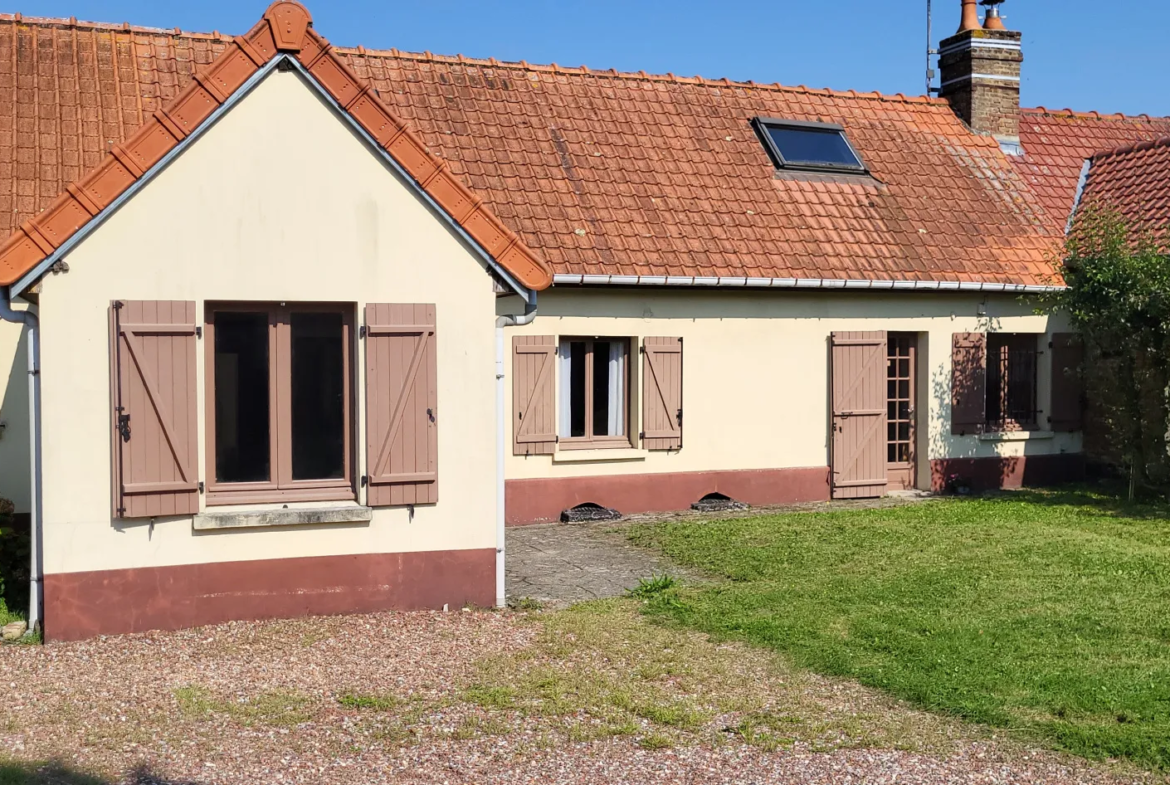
[901, 407]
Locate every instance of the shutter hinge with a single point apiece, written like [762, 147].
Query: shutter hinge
[118, 305]
[642, 349]
[123, 424]
[642, 435]
[198, 331]
[201, 486]
[365, 480]
[362, 331]
[121, 512]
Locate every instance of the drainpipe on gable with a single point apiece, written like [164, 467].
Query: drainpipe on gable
[514, 320]
[31, 323]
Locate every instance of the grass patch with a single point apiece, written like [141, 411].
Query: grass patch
[353, 700]
[1044, 613]
[601, 670]
[275, 708]
[652, 586]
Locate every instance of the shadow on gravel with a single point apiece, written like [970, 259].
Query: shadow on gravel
[61, 774]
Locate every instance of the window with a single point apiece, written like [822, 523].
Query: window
[280, 408]
[794, 144]
[594, 392]
[1011, 381]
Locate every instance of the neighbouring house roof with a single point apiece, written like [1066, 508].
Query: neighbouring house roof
[1057, 143]
[1135, 181]
[283, 33]
[607, 173]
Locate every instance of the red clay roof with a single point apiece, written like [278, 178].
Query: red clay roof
[1057, 143]
[285, 28]
[1135, 181]
[597, 172]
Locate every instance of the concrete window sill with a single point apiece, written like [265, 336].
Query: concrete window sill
[259, 519]
[1015, 436]
[594, 456]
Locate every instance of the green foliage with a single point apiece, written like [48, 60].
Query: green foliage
[15, 549]
[1118, 298]
[652, 586]
[1042, 613]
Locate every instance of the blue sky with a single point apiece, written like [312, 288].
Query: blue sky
[1082, 54]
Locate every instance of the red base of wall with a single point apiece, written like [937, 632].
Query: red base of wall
[542, 500]
[84, 604]
[986, 474]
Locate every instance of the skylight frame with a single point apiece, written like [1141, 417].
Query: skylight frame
[762, 124]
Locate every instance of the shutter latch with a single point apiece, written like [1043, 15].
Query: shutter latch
[124, 425]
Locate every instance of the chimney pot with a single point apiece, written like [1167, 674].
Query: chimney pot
[970, 19]
[992, 21]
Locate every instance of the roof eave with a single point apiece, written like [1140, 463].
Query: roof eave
[564, 279]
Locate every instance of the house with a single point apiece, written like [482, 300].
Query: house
[304, 327]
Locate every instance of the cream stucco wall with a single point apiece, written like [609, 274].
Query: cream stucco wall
[280, 201]
[14, 444]
[756, 372]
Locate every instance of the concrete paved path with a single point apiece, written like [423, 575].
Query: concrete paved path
[561, 564]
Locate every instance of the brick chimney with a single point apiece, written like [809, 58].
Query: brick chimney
[980, 70]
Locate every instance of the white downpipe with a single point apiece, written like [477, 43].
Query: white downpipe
[33, 352]
[501, 440]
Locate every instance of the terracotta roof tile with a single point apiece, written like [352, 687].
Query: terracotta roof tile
[1135, 180]
[150, 126]
[1057, 142]
[601, 172]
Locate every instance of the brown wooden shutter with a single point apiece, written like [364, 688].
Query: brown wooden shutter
[968, 383]
[1067, 407]
[402, 441]
[662, 404]
[858, 376]
[155, 427]
[534, 411]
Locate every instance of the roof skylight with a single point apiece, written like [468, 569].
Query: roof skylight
[794, 144]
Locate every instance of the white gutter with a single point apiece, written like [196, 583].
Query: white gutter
[797, 283]
[515, 320]
[33, 351]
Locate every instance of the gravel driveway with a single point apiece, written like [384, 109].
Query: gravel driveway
[383, 698]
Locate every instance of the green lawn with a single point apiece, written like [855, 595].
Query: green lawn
[1045, 613]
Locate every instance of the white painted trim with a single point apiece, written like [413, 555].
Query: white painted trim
[979, 43]
[565, 279]
[968, 77]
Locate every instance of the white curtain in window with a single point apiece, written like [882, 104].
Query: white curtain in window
[617, 389]
[565, 390]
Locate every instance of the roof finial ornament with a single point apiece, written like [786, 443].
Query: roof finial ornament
[992, 21]
[970, 19]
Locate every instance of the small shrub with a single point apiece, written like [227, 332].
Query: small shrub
[653, 586]
[15, 551]
[655, 741]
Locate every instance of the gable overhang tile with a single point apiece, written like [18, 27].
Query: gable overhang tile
[283, 40]
[286, 62]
